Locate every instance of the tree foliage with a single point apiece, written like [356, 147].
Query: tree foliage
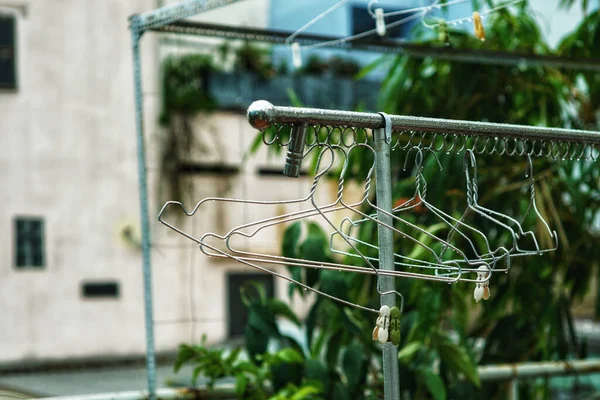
[444, 334]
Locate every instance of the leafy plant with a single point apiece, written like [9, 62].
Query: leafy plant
[253, 58]
[528, 317]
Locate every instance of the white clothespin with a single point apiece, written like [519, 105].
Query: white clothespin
[482, 290]
[296, 56]
[379, 22]
[381, 331]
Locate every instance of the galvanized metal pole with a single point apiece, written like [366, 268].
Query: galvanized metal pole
[136, 34]
[391, 378]
[514, 389]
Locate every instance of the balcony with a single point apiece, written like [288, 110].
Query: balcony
[237, 90]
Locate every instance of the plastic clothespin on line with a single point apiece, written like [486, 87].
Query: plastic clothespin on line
[296, 56]
[380, 22]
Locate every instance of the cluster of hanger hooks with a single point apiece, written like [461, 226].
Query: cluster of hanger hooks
[451, 263]
[439, 142]
[381, 27]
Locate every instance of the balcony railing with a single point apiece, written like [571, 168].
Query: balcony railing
[239, 89]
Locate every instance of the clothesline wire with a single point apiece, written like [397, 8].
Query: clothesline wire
[419, 13]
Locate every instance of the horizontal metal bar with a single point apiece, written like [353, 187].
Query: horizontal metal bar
[220, 392]
[538, 369]
[262, 114]
[487, 373]
[384, 45]
[174, 12]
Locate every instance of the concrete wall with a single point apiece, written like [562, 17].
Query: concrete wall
[68, 156]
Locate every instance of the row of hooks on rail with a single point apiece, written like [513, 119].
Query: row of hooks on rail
[284, 135]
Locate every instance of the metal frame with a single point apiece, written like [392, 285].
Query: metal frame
[385, 237]
[382, 45]
[170, 19]
[487, 373]
[138, 25]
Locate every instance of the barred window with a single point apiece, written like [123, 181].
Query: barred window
[8, 40]
[29, 243]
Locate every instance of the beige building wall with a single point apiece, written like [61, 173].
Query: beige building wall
[69, 156]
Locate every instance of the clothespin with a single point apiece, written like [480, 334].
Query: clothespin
[479, 31]
[296, 56]
[379, 22]
[482, 290]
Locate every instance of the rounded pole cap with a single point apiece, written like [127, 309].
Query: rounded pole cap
[260, 114]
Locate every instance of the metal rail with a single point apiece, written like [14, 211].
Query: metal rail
[383, 46]
[385, 238]
[487, 373]
[138, 25]
[161, 16]
[263, 114]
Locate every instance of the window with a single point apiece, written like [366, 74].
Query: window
[210, 169]
[99, 290]
[276, 171]
[238, 314]
[8, 63]
[362, 22]
[29, 243]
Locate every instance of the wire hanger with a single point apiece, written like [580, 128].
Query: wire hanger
[452, 265]
[251, 261]
[491, 215]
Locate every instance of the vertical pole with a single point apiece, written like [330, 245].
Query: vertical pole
[147, 276]
[391, 378]
[514, 389]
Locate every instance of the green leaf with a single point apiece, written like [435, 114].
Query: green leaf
[316, 349]
[426, 239]
[279, 308]
[305, 392]
[294, 99]
[456, 358]
[260, 290]
[316, 371]
[311, 321]
[233, 356]
[185, 354]
[353, 364]
[256, 143]
[333, 349]
[408, 351]
[289, 243]
[196, 373]
[434, 384]
[366, 70]
[256, 342]
[263, 321]
[334, 284]
[241, 381]
[290, 356]
[340, 392]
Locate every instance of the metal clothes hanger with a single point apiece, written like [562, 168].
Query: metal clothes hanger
[457, 270]
[491, 215]
[251, 259]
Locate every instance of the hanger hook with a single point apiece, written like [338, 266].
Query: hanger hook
[419, 158]
[529, 169]
[370, 7]
[470, 155]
